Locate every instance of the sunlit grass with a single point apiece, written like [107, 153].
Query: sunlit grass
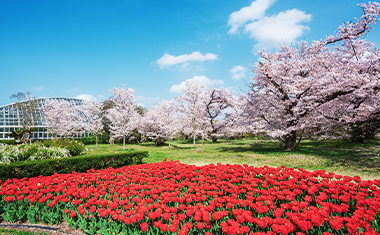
[338, 156]
[5, 231]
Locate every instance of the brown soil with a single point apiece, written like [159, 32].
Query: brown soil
[61, 229]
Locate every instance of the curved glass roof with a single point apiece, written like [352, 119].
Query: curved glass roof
[12, 116]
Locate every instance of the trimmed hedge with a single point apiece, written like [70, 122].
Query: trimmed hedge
[10, 142]
[68, 165]
[92, 140]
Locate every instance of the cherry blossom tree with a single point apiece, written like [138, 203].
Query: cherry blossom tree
[217, 103]
[161, 123]
[107, 104]
[93, 118]
[192, 106]
[355, 116]
[237, 121]
[204, 112]
[296, 88]
[26, 105]
[61, 117]
[123, 115]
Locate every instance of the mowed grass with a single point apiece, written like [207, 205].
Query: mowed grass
[338, 156]
[6, 231]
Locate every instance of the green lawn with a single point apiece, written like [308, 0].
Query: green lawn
[4, 231]
[338, 156]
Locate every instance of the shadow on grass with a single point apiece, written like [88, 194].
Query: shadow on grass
[336, 152]
[124, 150]
[166, 144]
[264, 147]
[181, 147]
[365, 155]
[202, 142]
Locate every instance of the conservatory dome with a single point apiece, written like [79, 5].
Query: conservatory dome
[11, 117]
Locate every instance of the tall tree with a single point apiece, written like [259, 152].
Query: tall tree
[62, 117]
[123, 115]
[294, 87]
[204, 112]
[161, 123]
[141, 110]
[93, 118]
[237, 121]
[107, 104]
[355, 116]
[26, 106]
[217, 102]
[193, 112]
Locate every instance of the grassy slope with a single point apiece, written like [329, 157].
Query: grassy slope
[336, 156]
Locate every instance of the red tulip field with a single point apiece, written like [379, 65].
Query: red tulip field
[171, 197]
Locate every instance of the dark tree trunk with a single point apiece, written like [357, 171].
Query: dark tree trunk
[159, 142]
[124, 142]
[290, 141]
[370, 130]
[363, 130]
[214, 139]
[357, 133]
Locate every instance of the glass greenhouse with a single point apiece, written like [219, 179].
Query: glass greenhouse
[11, 118]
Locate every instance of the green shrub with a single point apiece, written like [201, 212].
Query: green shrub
[9, 153]
[92, 140]
[50, 153]
[47, 142]
[10, 142]
[68, 165]
[24, 152]
[74, 147]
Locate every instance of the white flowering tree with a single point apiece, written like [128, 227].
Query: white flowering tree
[25, 106]
[161, 123]
[192, 106]
[237, 121]
[93, 116]
[61, 117]
[354, 116]
[296, 88]
[206, 112]
[123, 115]
[219, 103]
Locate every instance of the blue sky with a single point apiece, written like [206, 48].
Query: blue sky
[83, 48]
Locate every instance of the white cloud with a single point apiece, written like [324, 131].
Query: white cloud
[238, 72]
[282, 28]
[141, 98]
[40, 88]
[146, 101]
[269, 31]
[252, 12]
[238, 76]
[86, 97]
[238, 69]
[196, 79]
[168, 60]
[141, 104]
